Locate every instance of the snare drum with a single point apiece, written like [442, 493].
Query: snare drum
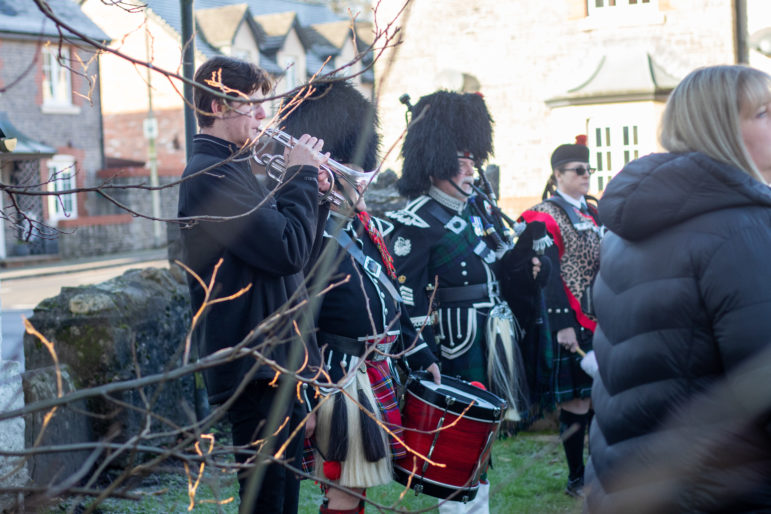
[464, 448]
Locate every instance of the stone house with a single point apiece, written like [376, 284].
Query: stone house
[144, 130]
[50, 103]
[552, 70]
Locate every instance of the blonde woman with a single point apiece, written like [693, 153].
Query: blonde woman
[682, 401]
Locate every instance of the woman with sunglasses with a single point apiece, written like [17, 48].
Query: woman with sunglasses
[574, 228]
[683, 397]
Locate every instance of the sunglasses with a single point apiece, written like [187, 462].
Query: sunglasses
[580, 170]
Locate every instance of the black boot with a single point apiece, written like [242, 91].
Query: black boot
[572, 432]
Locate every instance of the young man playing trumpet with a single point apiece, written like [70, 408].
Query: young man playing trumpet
[263, 241]
[361, 320]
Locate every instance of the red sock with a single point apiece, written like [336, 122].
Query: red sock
[323, 509]
[355, 510]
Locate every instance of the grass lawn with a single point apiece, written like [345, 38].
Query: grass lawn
[529, 476]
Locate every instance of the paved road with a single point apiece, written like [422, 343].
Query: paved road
[20, 294]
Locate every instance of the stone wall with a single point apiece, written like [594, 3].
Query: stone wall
[130, 326]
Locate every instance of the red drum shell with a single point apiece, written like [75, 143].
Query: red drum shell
[461, 447]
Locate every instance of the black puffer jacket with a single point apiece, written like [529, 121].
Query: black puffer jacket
[683, 299]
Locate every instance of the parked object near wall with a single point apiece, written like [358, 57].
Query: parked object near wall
[67, 426]
[13, 472]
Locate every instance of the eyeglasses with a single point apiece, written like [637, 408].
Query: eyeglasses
[244, 109]
[580, 170]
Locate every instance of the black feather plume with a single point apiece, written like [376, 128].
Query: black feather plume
[443, 124]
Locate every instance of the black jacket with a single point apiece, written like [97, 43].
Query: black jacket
[263, 248]
[683, 302]
[361, 306]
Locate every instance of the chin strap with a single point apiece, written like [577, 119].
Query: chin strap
[461, 191]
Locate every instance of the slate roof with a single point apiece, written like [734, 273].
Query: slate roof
[321, 31]
[169, 13]
[24, 18]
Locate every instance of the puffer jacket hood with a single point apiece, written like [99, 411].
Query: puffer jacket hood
[672, 188]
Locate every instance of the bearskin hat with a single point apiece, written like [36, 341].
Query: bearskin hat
[577, 152]
[347, 122]
[444, 124]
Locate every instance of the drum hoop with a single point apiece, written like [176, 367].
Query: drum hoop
[499, 404]
[416, 477]
[493, 421]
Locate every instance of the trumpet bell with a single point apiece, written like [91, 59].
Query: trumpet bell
[275, 168]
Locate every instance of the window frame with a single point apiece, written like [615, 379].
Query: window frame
[612, 146]
[620, 7]
[56, 84]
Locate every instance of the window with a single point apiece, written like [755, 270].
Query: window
[57, 81]
[289, 63]
[619, 3]
[613, 147]
[61, 177]
[620, 7]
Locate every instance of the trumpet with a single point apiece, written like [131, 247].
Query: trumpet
[275, 168]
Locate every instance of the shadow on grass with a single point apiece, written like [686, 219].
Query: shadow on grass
[528, 476]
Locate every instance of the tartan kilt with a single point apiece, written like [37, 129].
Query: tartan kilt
[385, 397]
[384, 389]
[570, 381]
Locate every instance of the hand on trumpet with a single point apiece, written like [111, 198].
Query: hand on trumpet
[307, 152]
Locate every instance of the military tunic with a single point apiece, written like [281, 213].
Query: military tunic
[359, 314]
[436, 249]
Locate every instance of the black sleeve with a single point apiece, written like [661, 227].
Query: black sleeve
[412, 273]
[275, 237]
[318, 243]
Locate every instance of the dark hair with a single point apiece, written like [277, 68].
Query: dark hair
[550, 188]
[236, 76]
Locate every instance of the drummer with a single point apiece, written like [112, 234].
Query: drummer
[441, 238]
[361, 321]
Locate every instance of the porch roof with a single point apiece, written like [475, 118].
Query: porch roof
[25, 146]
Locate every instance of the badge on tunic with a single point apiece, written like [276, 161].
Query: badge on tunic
[402, 246]
[402, 279]
[456, 225]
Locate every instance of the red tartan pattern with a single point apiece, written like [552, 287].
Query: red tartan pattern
[377, 238]
[308, 462]
[379, 375]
